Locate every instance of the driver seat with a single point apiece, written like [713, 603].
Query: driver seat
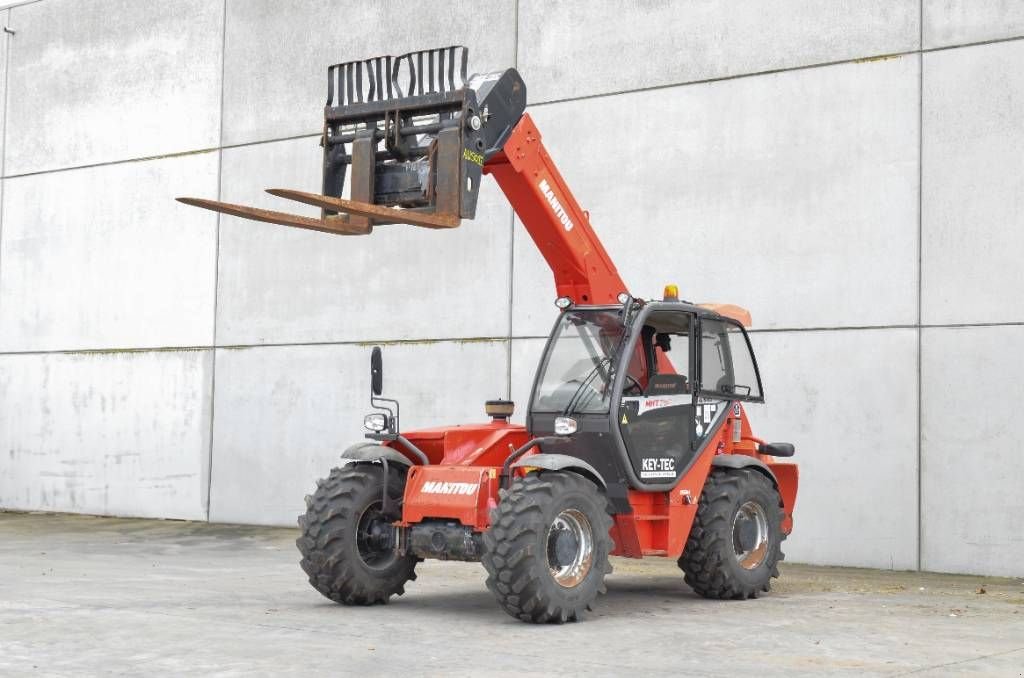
[667, 384]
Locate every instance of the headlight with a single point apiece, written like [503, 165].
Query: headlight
[565, 426]
[375, 422]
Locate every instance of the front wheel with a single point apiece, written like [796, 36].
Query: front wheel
[347, 541]
[735, 542]
[546, 552]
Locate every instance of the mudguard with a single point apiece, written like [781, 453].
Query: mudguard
[738, 461]
[562, 462]
[374, 452]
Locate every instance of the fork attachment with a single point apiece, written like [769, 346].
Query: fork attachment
[411, 133]
[415, 131]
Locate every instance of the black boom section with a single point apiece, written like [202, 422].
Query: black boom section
[416, 129]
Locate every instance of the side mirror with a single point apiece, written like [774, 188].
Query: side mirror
[376, 372]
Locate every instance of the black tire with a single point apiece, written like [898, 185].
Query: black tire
[524, 543]
[342, 564]
[714, 558]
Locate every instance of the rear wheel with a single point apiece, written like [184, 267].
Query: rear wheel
[546, 552]
[735, 542]
[347, 541]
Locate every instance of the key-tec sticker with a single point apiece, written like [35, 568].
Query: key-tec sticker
[657, 467]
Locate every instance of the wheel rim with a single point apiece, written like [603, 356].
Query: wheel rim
[373, 538]
[750, 535]
[570, 548]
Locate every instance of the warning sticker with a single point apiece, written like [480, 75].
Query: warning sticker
[646, 404]
[709, 413]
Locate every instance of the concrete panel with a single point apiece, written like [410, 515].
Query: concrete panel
[110, 80]
[284, 414]
[277, 52]
[103, 257]
[972, 496]
[283, 285]
[794, 195]
[575, 49]
[956, 22]
[848, 401]
[973, 185]
[108, 433]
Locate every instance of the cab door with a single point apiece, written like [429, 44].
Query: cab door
[656, 414]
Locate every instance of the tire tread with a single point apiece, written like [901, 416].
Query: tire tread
[704, 558]
[515, 571]
[327, 543]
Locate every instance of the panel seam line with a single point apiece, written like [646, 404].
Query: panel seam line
[216, 262]
[920, 281]
[3, 132]
[502, 338]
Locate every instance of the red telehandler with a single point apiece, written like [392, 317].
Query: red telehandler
[636, 440]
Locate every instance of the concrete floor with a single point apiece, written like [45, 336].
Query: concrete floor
[82, 595]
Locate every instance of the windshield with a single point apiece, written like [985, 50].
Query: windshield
[579, 363]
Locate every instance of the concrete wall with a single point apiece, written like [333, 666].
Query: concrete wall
[851, 171]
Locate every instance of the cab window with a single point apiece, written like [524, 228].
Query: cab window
[666, 345]
[727, 366]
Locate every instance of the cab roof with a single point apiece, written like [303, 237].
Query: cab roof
[731, 311]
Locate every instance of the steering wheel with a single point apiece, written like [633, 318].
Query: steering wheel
[634, 385]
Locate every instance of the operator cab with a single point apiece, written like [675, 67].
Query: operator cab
[640, 388]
